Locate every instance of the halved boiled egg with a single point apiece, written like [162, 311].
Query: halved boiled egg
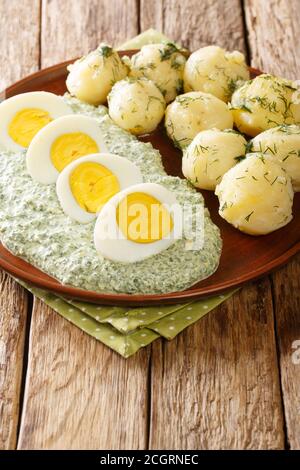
[86, 184]
[23, 116]
[139, 222]
[61, 142]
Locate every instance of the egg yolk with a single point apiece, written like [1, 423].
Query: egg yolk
[143, 219]
[26, 124]
[69, 147]
[93, 185]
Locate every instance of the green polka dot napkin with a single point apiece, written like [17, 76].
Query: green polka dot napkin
[127, 330]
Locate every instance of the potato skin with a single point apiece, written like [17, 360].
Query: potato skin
[193, 112]
[263, 103]
[210, 155]
[283, 142]
[136, 105]
[256, 195]
[161, 63]
[91, 78]
[214, 70]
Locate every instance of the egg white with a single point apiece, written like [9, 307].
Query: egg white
[46, 101]
[38, 157]
[126, 172]
[118, 248]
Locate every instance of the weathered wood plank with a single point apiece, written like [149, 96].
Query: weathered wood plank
[216, 385]
[71, 29]
[13, 314]
[19, 39]
[273, 34]
[274, 28]
[195, 23]
[286, 285]
[19, 43]
[79, 394]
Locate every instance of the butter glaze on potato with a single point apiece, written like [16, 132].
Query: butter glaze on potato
[91, 78]
[214, 70]
[210, 155]
[265, 102]
[283, 142]
[136, 105]
[256, 195]
[193, 112]
[161, 63]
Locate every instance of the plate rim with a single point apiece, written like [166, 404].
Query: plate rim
[122, 298]
[143, 299]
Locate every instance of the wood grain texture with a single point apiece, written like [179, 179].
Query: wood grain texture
[19, 43]
[72, 28]
[80, 394]
[13, 314]
[273, 34]
[195, 23]
[19, 39]
[273, 27]
[216, 385]
[286, 286]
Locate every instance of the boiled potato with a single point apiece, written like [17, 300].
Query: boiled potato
[194, 112]
[213, 70]
[284, 143]
[210, 155]
[265, 102]
[161, 63]
[136, 105]
[256, 195]
[92, 77]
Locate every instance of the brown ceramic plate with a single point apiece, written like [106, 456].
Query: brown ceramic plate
[243, 258]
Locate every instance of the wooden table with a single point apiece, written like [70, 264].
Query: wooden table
[230, 381]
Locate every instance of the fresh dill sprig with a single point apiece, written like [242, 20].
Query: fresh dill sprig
[105, 51]
[167, 51]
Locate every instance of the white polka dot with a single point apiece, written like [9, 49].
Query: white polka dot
[160, 313]
[57, 300]
[98, 308]
[205, 307]
[83, 319]
[155, 329]
[171, 327]
[171, 318]
[143, 313]
[68, 318]
[83, 309]
[71, 310]
[188, 318]
[143, 344]
[97, 317]
[126, 319]
[222, 296]
[190, 308]
[112, 337]
[141, 321]
[143, 335]
[97, 329]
